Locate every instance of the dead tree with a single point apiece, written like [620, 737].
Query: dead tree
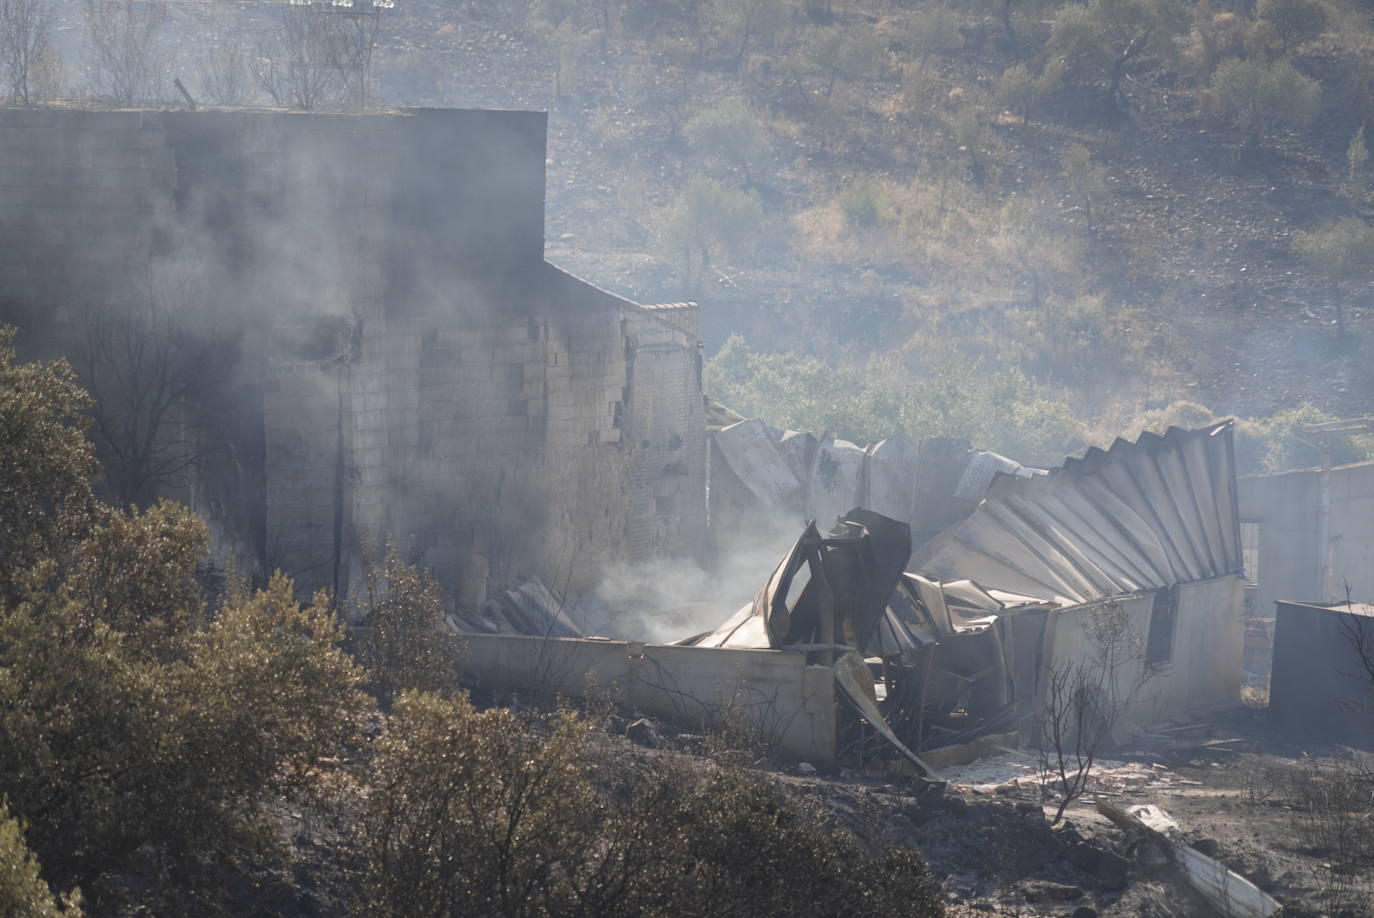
[224, 75]
[127, 60]
[25, 26]
[1085, 700]
[145, 362]
[319, 57]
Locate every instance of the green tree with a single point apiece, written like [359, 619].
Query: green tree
[1294, 22]
[482, 813]
[1260, 98]
[46, 462]
[1105, 38]
[710, 220]
[409, 643]
[135, 736]
[1022, 92]
[745, 22]
[844, 54]
[730, 134]
[23, 894]
[1340, 250]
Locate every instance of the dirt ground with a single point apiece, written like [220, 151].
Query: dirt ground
[1296, 821]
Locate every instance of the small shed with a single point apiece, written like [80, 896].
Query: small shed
[1322, 686]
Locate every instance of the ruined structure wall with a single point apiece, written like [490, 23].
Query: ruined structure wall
[404, 362]
[666, 434]
[80, 196]
[1204, 668]
[1287, 509]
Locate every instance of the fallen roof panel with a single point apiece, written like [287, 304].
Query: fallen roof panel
[1140, 515]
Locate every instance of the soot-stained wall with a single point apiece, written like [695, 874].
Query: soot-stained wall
[393, 356]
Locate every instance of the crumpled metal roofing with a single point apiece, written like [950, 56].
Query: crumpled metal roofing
[1137, 516]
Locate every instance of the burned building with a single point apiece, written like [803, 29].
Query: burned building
[1121, 568]
[346, 330]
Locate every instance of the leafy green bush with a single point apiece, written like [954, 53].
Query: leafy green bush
[1022, 92]
[742, 23]
[1277, 443]
[1341, 251]
[710, 220]
[1261, 98]
[1105, 38]
[135, 738]
[1293, 21]
[23, 894]
[860, 203]
[409, 644]
[994, 407]
[848, 54]
[730, 134]
[481, 813]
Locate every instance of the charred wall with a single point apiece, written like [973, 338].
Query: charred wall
[392, 356]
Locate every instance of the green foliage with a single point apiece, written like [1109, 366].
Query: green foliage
[1294, 22]
[710, 220]
[861, 203]
[135, 737]
[1102, 38]
[409, 644]
[1278, 443]
[932, 27]
[481, 813]
[134, 742]
[46, 462]
[994, 408]
[729, 134]
[745, 22]
[1338, 249]
[23, 894]
[848, 54]
[1022, 92]
[1261, 98]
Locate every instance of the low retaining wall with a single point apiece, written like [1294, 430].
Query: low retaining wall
[776, 692]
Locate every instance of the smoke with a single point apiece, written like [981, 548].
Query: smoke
[664, 601]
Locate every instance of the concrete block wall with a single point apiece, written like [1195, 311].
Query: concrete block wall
[777, 692]
[666, 434]
[507, 415]
[81, 194]
[302, 411]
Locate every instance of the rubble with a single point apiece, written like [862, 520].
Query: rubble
[1224, 889]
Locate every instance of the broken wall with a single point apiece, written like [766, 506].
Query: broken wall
[1199, 671]
[775, 692]
[1285, 513]
[1319, 687]
[399, 358]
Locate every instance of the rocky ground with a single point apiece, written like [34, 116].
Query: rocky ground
[1239, 792]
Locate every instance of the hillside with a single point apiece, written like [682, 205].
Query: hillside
[1123, 260]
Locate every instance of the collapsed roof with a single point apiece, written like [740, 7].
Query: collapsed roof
[1138, 516]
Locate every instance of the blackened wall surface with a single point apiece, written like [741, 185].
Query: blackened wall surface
[393, 357]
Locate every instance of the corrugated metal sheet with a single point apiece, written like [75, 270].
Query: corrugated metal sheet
[1137, 516]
